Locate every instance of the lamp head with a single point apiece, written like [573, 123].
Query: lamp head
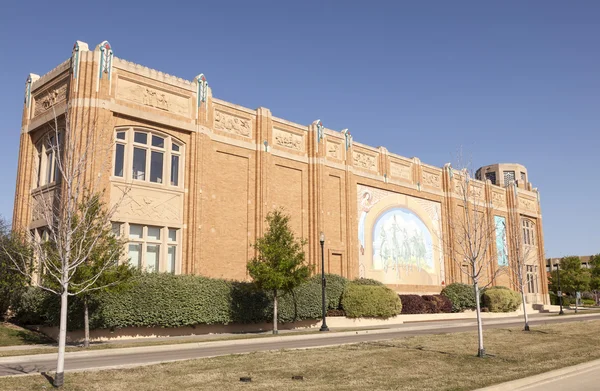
[322, 237]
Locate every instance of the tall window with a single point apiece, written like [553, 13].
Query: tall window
[509, 176]
[46, 160]
[152, 157]
[528, 232]
[152, 248]
[532, 285]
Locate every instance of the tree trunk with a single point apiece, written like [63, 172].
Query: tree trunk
[275, 331]
[62, 337]
[86, 323]
[525, 310]
[481, 350]
[576, 300]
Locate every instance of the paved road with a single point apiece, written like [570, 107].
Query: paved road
[133, 357]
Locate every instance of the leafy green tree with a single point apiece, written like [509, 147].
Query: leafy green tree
[12, 281]
[279, 265]
[573, 278]
[595, 275]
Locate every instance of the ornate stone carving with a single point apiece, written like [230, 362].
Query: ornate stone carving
[49, 98]
[160, 207]
[157, 99]
[400, 171]
[529, 205]
[431, 179]
[288, 139]
[363, 160]
[333, 150]
[476, 191]
[498, 199]
[232, 124]
[152, 97]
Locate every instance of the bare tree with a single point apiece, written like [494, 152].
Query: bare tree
[79, 156]
[519, 258]
[471, 235]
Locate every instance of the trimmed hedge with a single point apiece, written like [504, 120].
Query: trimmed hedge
[361, 301]
[462, 296]
[167, 300]
[415, 304]
[367, 281]
[501, 299]
[442, 303]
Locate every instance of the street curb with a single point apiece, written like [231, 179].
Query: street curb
[251, 341]
[543, 378]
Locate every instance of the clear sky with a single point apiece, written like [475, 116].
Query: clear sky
[509, 81]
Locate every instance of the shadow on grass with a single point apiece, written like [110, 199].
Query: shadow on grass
[49, 378]
[33, 338]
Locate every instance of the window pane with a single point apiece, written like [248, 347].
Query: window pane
[119, 158]
[171, 255]
[135, 231]
[158, 142]
[139, 163]
[156, 167]
[135, 254]
[121, 135]
[141, 138]
[175, 147]
[172, 235]
[116, 229]
[39, 173]
[174, 170]
[153, 233]
[152, 256]
[49, 166]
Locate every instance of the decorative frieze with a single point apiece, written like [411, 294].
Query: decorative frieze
[527, 204]
[151, 205]
[365, 161]
[333, 150]
[288, 139]
[400, 171]
[49, 98]
[431, 179]
[232, 124]
[152, 97]
[498, 199]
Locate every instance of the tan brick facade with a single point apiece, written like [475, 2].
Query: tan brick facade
[237, 164]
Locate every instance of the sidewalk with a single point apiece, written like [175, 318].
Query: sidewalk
[580, 377]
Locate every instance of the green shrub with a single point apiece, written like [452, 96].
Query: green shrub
[462, 296]
[370, 301]
[501, 299]
[588, 301]
[334, 289]
[367, 281]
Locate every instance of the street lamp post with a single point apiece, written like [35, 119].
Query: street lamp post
[559, 293]
[323, 282]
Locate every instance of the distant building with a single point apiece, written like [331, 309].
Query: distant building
[203, 173]
[585, 262]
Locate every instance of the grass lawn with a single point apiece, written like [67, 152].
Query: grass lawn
[432, 362]
[11, 335]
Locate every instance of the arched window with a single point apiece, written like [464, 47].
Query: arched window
[149, 156]
[46, 160]
[528, 232]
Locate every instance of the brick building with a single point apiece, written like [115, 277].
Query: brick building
[203, 173]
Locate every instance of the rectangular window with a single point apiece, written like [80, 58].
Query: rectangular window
[153, 233]
[141, 138]
[39, 173]
[49, 165]
[175, 147]
[158, 142]
[121, 135]
[116, 229]
[135, 254]
[152, 257]
[139, 163]
[119, 159]
[174, 170]
[156, 167]
[171, 255]
[172, 235]
[135, 231]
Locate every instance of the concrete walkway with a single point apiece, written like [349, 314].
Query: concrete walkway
[582, 377]
[146, 355]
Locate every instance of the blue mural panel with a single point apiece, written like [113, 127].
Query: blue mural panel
[501, 245]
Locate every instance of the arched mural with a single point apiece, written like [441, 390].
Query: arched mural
[399, 238]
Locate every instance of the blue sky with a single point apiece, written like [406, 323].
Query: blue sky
[509, 81]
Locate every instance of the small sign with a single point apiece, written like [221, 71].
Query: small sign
[579, 295]
[559, 293]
